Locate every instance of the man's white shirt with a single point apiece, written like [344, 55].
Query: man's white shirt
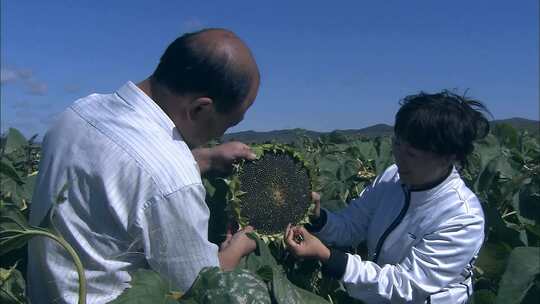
[133, 198]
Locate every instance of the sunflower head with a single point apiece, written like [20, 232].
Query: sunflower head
[272, 191]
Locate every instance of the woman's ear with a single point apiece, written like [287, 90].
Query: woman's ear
[200, 108]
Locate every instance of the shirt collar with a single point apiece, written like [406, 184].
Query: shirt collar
[136, 98]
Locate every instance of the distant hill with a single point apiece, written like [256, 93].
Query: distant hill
[286, 136]
[291, 135]
[532, 126]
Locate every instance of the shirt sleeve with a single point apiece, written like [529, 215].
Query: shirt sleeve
[348, 227]
[437, 260]
[175, 236]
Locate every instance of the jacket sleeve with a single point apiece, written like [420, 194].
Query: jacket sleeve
[175, 236]
[348, 227]
[437, 260]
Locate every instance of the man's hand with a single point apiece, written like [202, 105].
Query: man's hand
[303, 244]
[219, 159]
[235, 247]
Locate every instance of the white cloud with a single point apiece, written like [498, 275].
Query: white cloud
[8, 75]
[36, 87]
[12, 75]
[25, 73]
[25, 76]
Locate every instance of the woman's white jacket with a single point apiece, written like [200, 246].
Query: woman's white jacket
[421, 244]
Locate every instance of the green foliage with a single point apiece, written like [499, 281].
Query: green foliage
[146, 287]
[12, 286]
[504, 171]
[492, 260]
[15, 232]
[484, 296]
[344, 168]
[16, 186]
[18, 164]
[519, 278]
[18, 158]
[282, 290]
[216, 191]
[14, 141]
[13, 226]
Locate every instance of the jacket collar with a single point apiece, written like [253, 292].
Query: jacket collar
[435, 183]
[421, 196]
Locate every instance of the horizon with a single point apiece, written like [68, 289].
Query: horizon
[370, 126]
[324, 67]
[4, 132]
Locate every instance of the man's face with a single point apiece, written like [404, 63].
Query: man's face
[215, 123]
[417, 167]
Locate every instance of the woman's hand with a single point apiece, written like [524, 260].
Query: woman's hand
[303, 244]
[219, 159]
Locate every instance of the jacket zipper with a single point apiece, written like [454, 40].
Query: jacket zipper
[394, 224]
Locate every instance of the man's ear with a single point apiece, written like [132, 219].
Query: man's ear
[200, 107]
[450, 159]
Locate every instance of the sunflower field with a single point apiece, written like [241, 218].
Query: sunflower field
[504, 172]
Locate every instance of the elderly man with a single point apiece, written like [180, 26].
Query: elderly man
[132, 163]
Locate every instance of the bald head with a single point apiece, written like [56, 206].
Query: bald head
[211, 62]
[222, 45]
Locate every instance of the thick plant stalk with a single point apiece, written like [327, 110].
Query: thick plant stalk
[69, 249]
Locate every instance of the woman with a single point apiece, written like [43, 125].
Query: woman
[423, 227]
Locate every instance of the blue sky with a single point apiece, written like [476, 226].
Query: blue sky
[325, 65]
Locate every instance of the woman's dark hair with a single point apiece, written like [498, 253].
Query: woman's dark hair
[443, 123]
[189, 67]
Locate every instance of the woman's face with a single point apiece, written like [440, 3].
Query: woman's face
[418, 168]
